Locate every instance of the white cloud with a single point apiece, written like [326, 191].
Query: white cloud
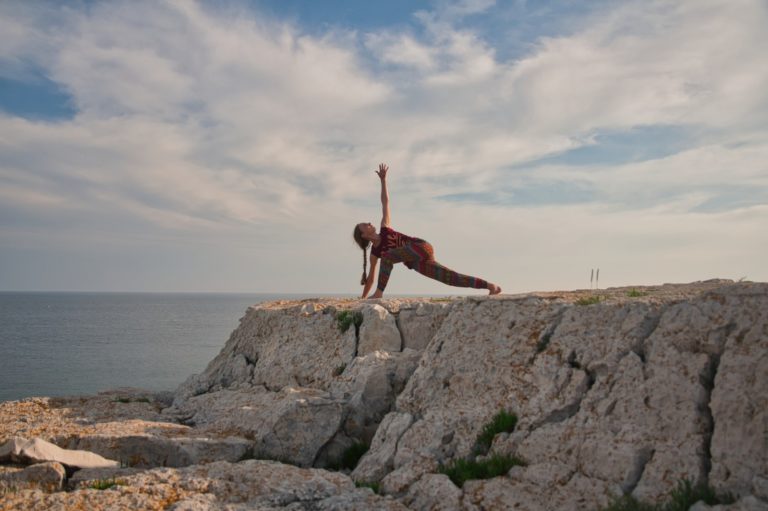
[195, 123]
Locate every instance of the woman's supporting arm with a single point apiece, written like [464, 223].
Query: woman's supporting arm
[371, 274]
[382, 172]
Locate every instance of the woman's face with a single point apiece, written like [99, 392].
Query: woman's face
[367, 228]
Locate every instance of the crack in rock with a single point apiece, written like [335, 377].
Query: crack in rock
[633, 478]
[706, 410]
[546, 336]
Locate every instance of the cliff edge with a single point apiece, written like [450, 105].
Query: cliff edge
[625, 391]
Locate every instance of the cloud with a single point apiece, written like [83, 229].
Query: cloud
[199, 123]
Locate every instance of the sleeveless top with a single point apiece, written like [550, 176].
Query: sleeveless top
[390, 239]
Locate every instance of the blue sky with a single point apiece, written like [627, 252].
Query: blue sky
[230, 145]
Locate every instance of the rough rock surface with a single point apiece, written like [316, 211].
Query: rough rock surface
[123, 425]
[619, 391]
[37, 450]
[250, 484]
[46, 476]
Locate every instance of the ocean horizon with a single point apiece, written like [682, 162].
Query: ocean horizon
[63, 343]
[59, 343]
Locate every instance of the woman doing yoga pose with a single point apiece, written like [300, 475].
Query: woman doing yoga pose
[393, 247]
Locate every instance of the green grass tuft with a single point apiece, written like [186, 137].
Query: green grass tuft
[105, 484]
[635, 293]
[681, 498]
[589, 300]
[345, 319]
[502, 422]
[376, 487]
[685, 495]
[461, 471]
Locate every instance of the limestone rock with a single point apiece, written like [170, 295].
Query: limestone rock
[158, 451]
[369, 387]
[740, 403]
[85, 478]
[617, 394]
[291, 425]
[628, 395]
[250, 484]
[47, 476]
[435, 492]
[379, 460]
[379, 331]
[420, 323]
[578, 493]
[36, 450]
[400, 480]
[361, 499]
[276, 349]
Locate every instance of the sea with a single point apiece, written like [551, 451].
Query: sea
[66, 343]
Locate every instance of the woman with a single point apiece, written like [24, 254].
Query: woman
[393, 247]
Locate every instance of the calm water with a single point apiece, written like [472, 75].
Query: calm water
[55, 344]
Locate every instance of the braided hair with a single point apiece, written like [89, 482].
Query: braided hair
[362, 243]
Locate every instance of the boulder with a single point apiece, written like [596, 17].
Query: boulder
[435, 492]
[379, 460]
[739, 403]
[277, 348]
[147, 450]
[420, 323]
[291, 425]
[368, 388]
[378, 331]
[36, 450]
[47, 476]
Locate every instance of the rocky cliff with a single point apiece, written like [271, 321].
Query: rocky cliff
[616, 392]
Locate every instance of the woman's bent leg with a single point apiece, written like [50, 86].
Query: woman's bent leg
[434, 270]
[411, 254]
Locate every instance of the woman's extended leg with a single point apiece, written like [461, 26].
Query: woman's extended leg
[434, 270]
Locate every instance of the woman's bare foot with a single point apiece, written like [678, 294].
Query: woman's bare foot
[493, 289]
[377, 294]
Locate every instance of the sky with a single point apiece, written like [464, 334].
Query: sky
[230, 146]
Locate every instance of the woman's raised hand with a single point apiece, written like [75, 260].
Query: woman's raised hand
[382, 172]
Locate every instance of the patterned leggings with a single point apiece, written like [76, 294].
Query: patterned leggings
[420, 256]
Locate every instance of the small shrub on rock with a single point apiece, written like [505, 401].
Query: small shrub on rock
[376, 487]
[589, 300]
[502, 422]
[461, 471]
[681, 498]
[345, 319]
[105, 484]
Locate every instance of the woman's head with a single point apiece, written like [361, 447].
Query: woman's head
[361, 234]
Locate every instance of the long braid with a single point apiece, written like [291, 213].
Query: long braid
[365, 268]
[364, 244]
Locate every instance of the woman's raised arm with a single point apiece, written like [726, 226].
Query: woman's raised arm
[382, 172]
